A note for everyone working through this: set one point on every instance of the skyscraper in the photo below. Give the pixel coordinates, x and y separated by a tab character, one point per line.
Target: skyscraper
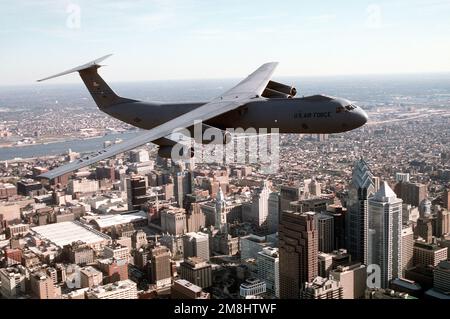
298	249
139	156
385	240
424	229
407	249
402	177
260	206
197	271
411	193
159	267
137	192
315	188
274	212
361	188
268	269
442	276
182	186
323	288
325	228
442	222
352	279
196	245
446	199
289	194
221	214
339	220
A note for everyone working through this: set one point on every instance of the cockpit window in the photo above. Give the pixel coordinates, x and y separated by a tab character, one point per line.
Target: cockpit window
340	109
347	108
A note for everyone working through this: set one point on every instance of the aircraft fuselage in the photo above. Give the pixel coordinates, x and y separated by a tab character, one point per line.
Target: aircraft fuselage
308	115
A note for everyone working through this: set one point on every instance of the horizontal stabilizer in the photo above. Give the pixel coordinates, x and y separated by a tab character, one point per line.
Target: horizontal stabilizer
79	68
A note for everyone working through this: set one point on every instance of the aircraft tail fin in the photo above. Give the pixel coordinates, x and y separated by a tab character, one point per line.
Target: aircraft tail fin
102	94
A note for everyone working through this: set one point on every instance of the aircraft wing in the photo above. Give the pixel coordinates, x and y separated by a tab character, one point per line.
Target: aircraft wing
249	88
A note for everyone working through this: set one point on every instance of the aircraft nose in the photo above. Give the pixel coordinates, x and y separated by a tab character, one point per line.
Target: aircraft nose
362	116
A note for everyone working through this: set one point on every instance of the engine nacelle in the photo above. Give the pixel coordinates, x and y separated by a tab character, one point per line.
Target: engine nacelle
166	151
279	90
211	135
272	94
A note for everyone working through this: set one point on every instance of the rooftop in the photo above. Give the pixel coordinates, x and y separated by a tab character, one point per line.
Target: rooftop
120	219
66	233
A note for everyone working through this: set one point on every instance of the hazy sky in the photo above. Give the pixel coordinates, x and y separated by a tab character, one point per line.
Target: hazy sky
182	39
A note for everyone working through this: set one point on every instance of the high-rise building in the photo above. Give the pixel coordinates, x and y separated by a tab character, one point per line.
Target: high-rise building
197	271
82	186
442	222
125	289
322	288
340	258
137	192
411	193
173	220
273	219
139	156
352	279
113	269
260	207
195	219
159	267
402	177
43	287
289	194
298	248
196	245
425	208
30	187
325	228
268	270
446	199
182	186
221	214
315	188
139	239
339	216
116	251
7	190
105	172
79	253
407	249
424	229
385	239
183	289
357	225
428	254
325	264
441	276
90	277
13	256
13	281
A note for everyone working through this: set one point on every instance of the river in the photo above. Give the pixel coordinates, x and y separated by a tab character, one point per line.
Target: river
77	145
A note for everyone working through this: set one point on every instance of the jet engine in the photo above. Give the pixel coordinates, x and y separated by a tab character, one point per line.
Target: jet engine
275	90
211	135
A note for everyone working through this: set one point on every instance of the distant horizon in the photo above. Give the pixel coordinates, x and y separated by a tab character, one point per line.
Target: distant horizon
57	82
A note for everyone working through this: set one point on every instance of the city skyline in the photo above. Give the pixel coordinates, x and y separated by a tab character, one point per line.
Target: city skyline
349	197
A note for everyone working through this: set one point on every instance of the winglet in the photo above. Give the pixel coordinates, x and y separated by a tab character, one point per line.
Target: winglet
88	65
